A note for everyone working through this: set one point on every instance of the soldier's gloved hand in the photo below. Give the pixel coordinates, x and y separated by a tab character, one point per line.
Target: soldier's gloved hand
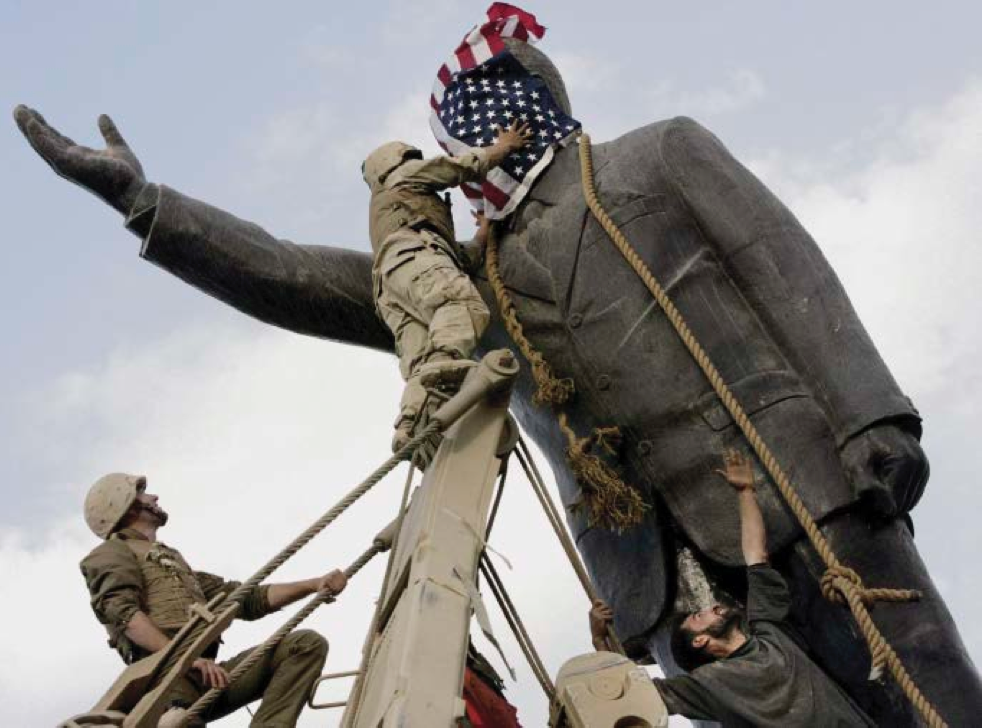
112	174
212	674
334	580
887	469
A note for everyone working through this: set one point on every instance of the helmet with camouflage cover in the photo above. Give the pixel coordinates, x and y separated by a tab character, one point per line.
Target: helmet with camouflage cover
109	499
383	160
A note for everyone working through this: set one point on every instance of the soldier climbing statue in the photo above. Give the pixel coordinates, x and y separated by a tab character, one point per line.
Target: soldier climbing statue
758	294
422	294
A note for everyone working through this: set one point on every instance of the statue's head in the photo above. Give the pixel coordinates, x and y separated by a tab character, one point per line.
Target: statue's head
538	64
494	79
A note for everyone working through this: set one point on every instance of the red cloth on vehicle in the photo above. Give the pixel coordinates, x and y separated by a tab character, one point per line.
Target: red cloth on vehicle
484	707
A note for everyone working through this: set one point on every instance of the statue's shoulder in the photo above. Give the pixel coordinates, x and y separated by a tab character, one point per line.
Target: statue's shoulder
680	130
649	158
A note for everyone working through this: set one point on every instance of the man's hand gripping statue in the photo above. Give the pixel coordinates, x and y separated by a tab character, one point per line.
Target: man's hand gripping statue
421	289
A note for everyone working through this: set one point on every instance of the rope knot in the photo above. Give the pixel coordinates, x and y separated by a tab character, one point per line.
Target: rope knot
608	439
840	582
550	389
834	588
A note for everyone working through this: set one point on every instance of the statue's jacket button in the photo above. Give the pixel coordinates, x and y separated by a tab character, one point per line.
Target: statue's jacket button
575	320
603	382
644	448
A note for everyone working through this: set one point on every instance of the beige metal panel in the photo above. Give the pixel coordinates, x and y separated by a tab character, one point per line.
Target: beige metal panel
415	675
606	690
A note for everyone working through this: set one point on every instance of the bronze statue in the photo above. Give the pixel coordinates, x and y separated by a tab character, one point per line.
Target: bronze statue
759	295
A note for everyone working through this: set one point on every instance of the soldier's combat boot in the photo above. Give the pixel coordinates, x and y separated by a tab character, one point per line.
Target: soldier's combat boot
414	396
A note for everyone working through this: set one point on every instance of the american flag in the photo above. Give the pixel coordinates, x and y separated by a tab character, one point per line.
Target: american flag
481	87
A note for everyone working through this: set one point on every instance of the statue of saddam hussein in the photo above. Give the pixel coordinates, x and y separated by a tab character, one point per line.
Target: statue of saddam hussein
756	291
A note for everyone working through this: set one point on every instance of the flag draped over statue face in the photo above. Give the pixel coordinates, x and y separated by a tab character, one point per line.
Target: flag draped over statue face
483	87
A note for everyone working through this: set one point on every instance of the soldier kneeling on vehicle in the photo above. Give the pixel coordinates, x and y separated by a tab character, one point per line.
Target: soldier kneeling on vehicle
141	592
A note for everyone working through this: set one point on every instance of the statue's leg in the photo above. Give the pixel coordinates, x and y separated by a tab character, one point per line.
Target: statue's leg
922	633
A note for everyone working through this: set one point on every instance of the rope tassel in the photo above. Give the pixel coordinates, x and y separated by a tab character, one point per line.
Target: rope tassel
609	501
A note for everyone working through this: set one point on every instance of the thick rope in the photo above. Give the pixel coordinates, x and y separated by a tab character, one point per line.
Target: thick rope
550	390
201	706
609	501
839	583
518	628
556	523
238	595
498	499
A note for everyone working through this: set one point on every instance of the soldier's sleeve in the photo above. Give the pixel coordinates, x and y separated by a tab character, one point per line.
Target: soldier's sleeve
255	604
115	584
213	585
786	279
315	290
439	173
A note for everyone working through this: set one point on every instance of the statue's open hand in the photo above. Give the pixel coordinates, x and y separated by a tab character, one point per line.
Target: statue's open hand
113	174
887	468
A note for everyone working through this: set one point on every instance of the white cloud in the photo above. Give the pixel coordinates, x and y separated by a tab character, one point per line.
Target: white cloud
427	20
306	161
249	433
903	234
742	88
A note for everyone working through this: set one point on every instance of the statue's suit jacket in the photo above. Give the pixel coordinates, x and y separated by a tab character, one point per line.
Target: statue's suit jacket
752	284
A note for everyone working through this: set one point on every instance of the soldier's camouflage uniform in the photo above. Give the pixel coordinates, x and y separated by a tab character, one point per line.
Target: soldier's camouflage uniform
128	573
421	291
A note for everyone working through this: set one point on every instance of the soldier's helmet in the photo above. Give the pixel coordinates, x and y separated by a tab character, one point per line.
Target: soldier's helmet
383	160
109	499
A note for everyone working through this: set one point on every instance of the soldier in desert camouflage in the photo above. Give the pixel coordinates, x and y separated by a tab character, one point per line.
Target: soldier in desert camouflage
422	292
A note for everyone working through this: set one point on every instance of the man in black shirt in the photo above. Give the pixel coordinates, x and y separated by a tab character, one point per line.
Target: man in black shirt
745	670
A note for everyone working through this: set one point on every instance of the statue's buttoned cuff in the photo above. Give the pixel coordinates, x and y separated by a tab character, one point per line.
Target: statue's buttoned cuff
140	221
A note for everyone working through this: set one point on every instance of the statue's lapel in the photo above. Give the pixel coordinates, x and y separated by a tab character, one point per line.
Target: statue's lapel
542	234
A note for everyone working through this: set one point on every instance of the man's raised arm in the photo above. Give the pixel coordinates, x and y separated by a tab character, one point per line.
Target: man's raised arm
319	291
739	473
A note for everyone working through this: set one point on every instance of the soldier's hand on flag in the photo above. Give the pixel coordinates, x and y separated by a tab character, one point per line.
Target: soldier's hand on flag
515	137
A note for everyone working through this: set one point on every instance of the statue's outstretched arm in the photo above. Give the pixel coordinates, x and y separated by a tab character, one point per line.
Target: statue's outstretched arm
320	291
786	279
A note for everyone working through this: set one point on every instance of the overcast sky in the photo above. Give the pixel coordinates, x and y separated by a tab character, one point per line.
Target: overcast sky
863	117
